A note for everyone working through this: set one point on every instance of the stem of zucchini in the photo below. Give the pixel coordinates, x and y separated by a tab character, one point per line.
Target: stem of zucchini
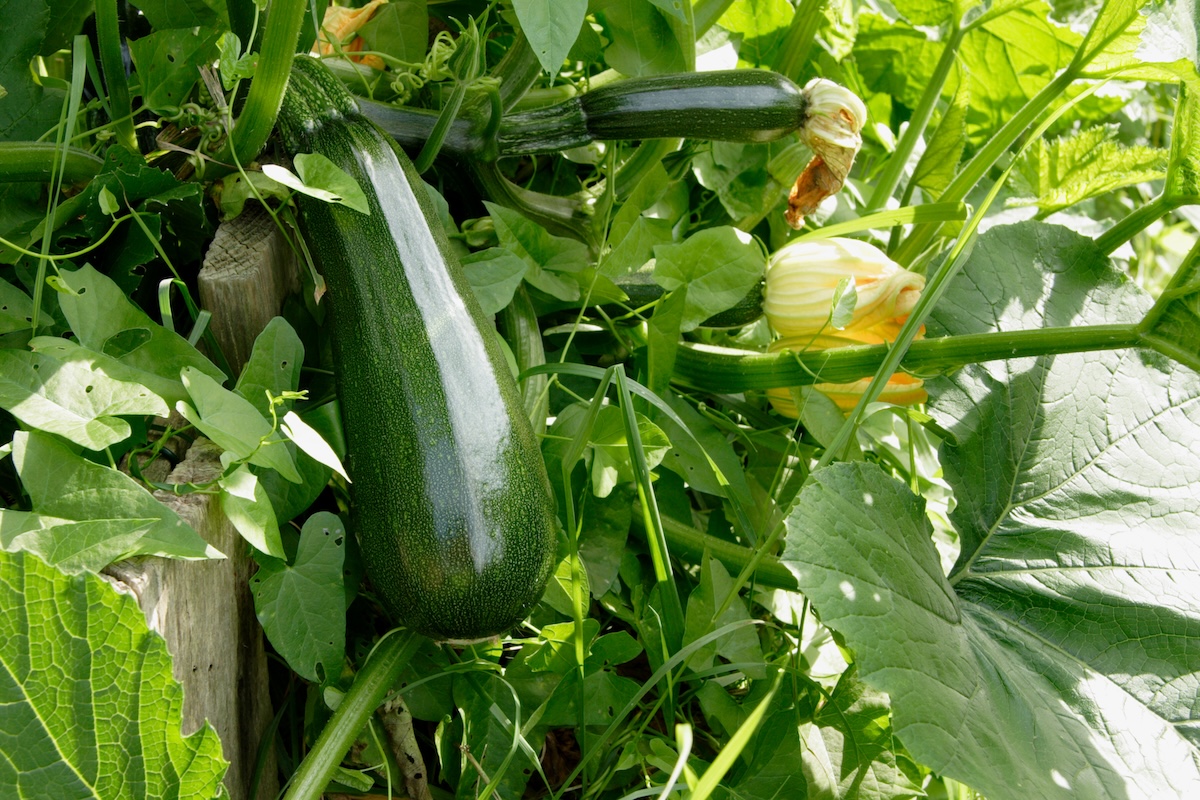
727	370
889	179
34	162
1139	219
519	323
108	38
983	161
690	544
370	687
257	120
798	41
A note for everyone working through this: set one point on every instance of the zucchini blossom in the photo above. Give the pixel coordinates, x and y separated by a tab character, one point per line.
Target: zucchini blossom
802	279
832	129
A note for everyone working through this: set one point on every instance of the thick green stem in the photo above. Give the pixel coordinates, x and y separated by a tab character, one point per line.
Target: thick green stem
889	179
517	71
34	162
257	120
563	216
370	687
727	370
705	14
798	41
689	544
1140	219
108	38
984	160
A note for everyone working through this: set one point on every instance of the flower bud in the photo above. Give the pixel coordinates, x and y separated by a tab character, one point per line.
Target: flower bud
803	276
832	129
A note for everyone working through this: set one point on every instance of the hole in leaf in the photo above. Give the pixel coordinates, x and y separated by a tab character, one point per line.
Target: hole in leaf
338	541
88	389
83	290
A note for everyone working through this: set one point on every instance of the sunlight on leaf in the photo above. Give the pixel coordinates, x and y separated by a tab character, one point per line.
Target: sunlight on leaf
80	721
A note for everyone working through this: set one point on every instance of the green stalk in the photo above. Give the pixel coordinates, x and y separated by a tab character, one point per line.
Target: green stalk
727	370
517	71
108	39
705	14
257	120
370	687
1140	219
563	216
889	179
35	161
798	41
984	160
690	545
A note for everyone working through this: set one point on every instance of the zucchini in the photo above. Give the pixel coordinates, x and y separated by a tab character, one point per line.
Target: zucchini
743	105
450	499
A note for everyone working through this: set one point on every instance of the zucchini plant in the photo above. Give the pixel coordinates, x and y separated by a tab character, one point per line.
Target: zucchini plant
718	399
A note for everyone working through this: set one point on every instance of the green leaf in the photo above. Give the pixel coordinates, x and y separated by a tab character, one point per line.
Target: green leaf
740	646
641	41
636	247
1065	634
662	339
494	275
606	524
772	771
718	265
400	29
1173	326
302	606
762	25
163	14
311	443
27	110
1136	40
928	12
246	504
91	708
274	366
234	424
547	257
106	322
845	300
551	27
72	398
1183	170
1085	164
939	162
71	546
168	63
16	309
849	748
322	179
61	484
607	453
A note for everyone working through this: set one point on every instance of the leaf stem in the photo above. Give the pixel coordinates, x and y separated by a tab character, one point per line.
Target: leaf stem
35	161
1140	219
889	179
984	160
257	120
728	370
108	39
370	687
798	41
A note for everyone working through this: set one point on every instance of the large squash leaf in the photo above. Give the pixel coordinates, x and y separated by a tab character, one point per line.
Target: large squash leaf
90	707
1058	658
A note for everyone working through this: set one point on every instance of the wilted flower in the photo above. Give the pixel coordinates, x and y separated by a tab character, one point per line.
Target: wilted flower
832	128
339	24
802	279
803	276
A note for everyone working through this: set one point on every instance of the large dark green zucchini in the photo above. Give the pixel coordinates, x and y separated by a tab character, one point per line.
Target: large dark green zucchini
451	502
744	105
